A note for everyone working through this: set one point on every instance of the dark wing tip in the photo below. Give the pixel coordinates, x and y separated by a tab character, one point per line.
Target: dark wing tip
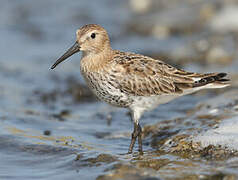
217	78
221	75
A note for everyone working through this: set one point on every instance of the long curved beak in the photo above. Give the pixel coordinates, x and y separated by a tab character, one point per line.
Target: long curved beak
75	48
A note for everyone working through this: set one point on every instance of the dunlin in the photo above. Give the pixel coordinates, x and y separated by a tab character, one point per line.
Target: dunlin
130	80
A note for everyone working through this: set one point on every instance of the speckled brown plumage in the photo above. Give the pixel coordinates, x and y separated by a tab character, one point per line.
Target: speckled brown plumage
130	80
144	76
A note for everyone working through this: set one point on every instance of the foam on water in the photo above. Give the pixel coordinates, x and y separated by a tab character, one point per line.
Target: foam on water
225	135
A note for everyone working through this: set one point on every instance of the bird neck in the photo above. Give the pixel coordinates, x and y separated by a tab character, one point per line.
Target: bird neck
91	62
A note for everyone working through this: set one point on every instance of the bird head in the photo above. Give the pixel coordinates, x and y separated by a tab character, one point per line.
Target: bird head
90	39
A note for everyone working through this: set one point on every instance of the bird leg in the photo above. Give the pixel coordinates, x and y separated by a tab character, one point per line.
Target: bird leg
136	133
140	139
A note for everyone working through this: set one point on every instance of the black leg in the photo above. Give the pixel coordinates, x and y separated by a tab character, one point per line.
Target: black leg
136	133
140	140
133	139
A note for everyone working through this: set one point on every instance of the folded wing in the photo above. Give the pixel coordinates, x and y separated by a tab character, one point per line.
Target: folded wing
144	76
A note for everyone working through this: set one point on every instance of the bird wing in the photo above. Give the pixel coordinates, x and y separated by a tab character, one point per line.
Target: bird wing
143	76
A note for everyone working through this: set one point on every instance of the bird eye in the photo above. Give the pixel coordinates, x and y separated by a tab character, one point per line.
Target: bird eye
93	35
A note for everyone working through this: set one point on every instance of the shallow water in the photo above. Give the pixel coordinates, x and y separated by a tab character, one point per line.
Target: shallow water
52	127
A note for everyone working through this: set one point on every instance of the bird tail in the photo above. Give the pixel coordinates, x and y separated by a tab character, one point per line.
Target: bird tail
213	80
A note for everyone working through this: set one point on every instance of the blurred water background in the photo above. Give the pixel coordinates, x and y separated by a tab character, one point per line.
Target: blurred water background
52	127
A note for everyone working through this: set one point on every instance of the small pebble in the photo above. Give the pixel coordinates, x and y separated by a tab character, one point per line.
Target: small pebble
47	132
